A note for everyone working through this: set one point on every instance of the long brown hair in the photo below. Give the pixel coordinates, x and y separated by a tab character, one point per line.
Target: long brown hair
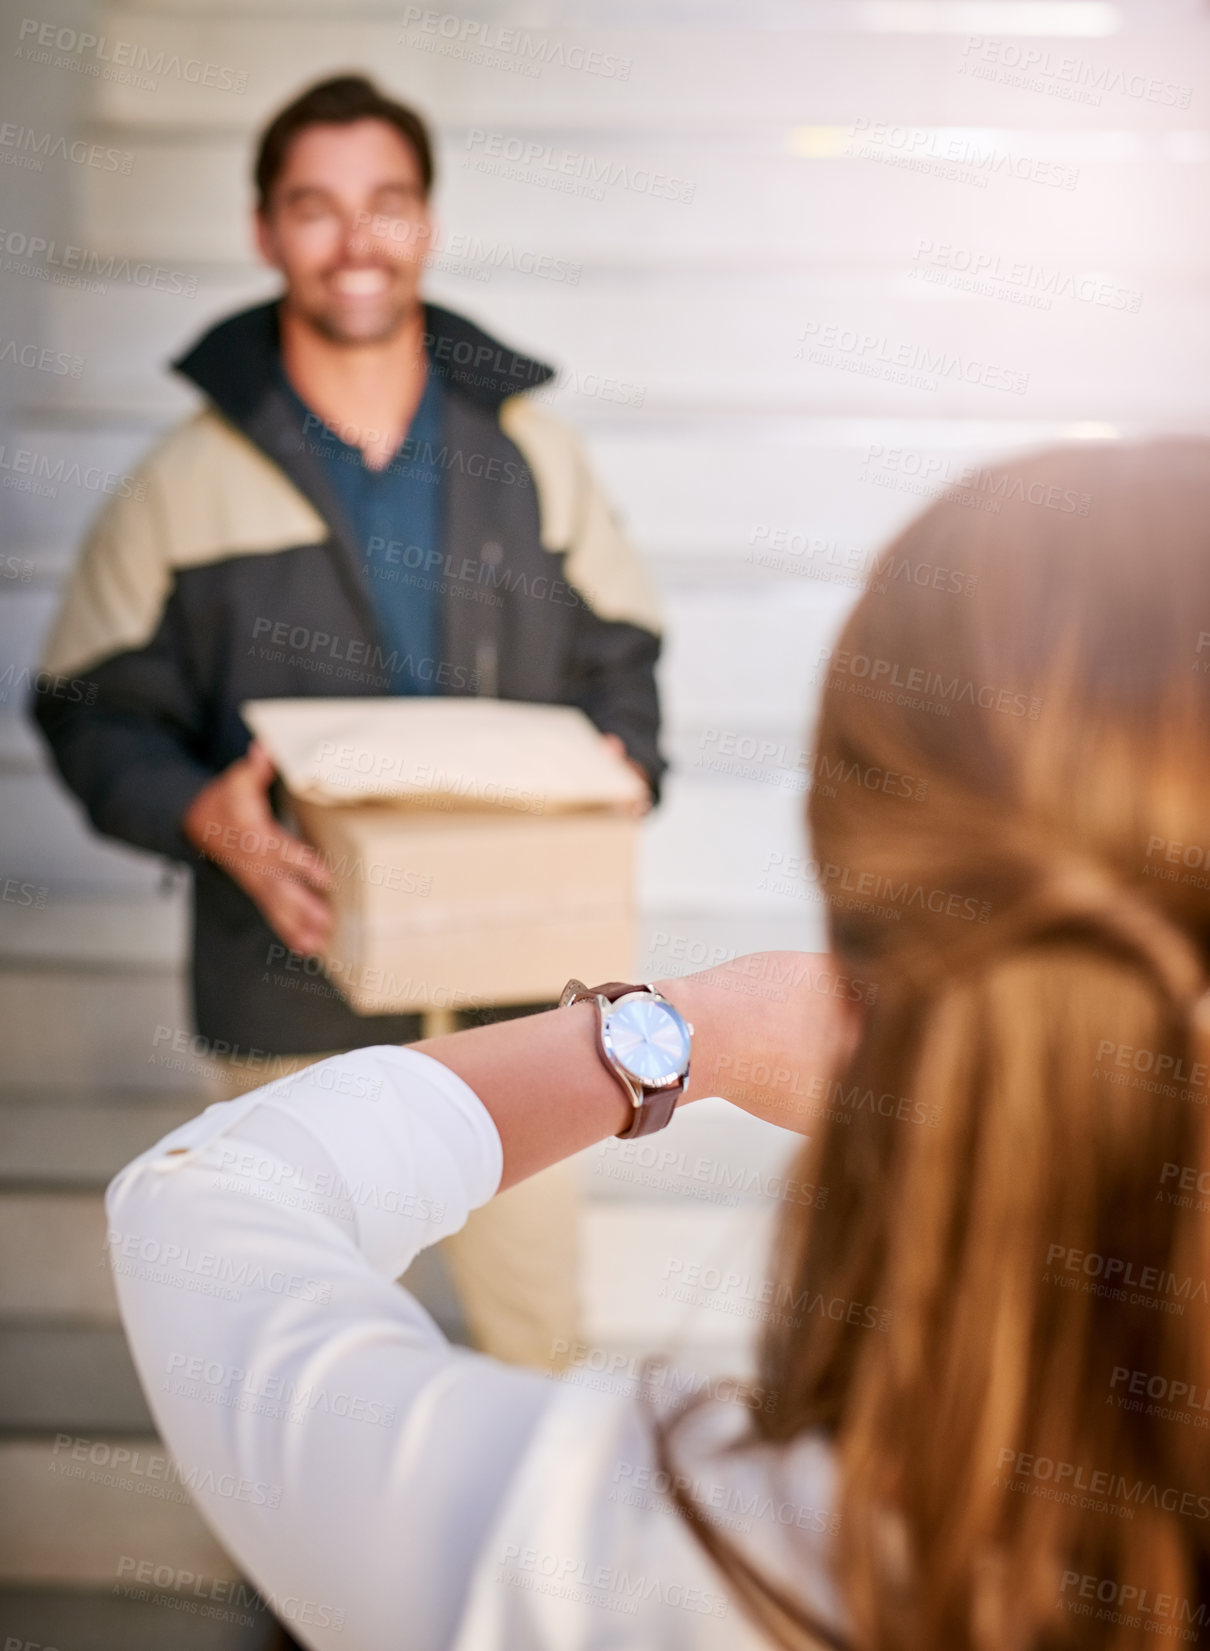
1020	1461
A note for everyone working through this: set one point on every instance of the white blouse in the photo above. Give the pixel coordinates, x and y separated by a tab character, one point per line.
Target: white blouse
382	1488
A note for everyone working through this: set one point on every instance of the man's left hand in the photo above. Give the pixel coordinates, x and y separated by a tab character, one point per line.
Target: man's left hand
641	805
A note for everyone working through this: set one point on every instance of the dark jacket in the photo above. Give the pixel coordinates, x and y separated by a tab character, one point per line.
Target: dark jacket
226	573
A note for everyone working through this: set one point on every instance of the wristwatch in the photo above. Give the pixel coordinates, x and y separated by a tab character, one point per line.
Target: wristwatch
645	1043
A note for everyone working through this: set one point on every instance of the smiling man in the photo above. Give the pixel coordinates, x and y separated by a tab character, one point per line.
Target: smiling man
368	502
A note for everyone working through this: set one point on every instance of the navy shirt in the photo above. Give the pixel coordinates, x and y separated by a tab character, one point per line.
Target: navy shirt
396	519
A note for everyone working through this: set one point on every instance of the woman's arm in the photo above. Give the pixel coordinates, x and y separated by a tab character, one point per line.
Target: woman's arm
349	1459
345	1455
769	1030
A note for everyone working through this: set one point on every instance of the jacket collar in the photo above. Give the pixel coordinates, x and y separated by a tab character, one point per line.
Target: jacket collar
233	364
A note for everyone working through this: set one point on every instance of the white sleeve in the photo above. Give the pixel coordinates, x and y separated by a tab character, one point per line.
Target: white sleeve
345	1454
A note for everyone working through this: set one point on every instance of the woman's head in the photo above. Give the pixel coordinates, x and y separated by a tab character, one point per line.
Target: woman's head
1036	672
1011	816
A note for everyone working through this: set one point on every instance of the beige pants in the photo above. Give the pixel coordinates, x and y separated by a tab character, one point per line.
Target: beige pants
516	1262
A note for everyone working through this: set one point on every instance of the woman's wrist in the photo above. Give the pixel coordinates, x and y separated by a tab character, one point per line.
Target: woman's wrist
684	997
542	1080
771	1031
767	1032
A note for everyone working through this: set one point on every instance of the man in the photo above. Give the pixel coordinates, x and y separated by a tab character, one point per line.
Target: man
367	503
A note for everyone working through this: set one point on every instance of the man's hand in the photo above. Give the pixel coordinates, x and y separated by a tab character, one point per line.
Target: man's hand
770	1031
231	823
641	805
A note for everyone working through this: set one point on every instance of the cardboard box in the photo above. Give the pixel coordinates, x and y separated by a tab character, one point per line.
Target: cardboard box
491	854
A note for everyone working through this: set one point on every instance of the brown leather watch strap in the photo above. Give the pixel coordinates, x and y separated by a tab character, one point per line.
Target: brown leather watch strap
657	1106
613	990
655	1113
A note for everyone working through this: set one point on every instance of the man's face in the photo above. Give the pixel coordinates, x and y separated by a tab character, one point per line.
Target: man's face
348	226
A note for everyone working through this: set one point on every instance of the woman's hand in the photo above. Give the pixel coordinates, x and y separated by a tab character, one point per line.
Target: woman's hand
770	1031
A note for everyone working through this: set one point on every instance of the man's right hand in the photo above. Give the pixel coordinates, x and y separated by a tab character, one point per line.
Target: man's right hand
231	823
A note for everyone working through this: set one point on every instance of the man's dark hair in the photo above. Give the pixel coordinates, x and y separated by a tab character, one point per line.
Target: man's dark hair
337	102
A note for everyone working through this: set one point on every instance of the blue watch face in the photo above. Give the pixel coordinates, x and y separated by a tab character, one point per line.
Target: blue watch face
649	1039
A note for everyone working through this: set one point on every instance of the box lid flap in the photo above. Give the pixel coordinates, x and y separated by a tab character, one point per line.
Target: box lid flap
479	753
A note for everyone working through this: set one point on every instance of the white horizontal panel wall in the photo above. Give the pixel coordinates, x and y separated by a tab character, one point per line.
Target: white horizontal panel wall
770	345
478	63
1109	196
805	500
